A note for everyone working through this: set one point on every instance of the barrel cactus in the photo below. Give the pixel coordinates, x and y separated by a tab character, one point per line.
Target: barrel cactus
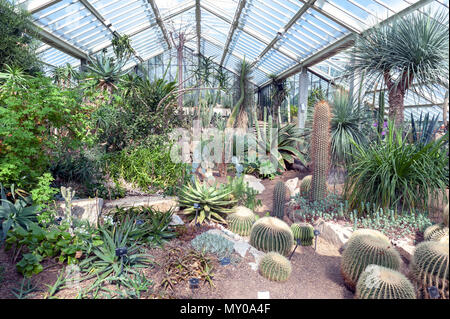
320	150
271	234
429	268
366	231
305	185
279	195
378	282
365	250
304	232
274	266
241	221
435	232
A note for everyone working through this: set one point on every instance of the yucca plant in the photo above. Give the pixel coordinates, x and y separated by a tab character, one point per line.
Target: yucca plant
412	49
396	173
424	131
215	203
240	111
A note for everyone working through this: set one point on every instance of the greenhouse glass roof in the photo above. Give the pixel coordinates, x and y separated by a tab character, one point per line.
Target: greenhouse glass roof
276	36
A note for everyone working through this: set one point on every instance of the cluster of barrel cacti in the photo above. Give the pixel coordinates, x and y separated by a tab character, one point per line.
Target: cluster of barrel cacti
274	266
241	221
303	232
272	234
363	250
279	197
320	150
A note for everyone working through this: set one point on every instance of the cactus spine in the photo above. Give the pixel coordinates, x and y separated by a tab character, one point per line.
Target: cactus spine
272	234
435	232
241	221
279	195
377	282
429	267
320	150
365	250
304	232
305	185
274	266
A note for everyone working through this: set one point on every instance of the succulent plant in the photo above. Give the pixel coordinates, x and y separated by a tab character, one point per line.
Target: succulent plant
320	150
304	232
367	231
445	216
271	234
241	221
279	196
365	250
213	243
429	268
378	282
214	202
435	232
305	185
274	266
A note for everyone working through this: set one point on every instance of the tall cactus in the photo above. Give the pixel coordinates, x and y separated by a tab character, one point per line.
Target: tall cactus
279	195
68	194
320	150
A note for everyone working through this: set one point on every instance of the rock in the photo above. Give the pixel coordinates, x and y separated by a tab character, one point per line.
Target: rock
254	183
176	220
157	202
332	232
291	184
84	209
241	248
405	248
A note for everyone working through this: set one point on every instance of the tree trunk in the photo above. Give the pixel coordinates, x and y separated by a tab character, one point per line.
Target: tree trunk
180	75
396	106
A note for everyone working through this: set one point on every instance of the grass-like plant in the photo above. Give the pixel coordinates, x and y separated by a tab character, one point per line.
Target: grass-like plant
395	173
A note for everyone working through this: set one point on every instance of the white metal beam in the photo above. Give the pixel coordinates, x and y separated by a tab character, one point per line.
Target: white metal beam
198	27
39	6
160	22
233	27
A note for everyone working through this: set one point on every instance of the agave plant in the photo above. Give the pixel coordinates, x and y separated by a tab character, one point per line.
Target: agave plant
424	131
213	202
105	71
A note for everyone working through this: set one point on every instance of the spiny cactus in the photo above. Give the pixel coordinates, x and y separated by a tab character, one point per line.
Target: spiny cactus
429	267
445	216
378	282
435	232
279	196
305	185
320	150
241	221
274	266
366	231
364	250
68	194
271	234
304	232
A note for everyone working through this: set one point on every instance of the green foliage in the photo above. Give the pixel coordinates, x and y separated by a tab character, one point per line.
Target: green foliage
19	42
365	250
377	282
37	117
272	234
274	266
26	288
279	199
424	131
43	193
242	192
213	244
429	267
304	232
147	168
394	173
320	150
214	202
241	221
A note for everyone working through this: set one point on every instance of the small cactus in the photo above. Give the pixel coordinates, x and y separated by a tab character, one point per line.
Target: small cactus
241	221
272	234
435	232
279	195
429	268
364	250
305	185
304	232
320	151
378	282
274	266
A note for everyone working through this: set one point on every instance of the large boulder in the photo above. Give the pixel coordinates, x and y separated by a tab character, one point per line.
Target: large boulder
254	183
157	202
84	209
292	185
332	232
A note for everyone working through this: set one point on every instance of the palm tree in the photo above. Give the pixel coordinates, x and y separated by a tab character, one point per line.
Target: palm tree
409	53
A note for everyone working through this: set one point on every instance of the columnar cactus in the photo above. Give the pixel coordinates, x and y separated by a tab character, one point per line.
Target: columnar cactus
305	185
429	267
304	232
241	221
320	150
435	232
279	195
378	282
274	266
365	250
445	216
68	194
272	234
